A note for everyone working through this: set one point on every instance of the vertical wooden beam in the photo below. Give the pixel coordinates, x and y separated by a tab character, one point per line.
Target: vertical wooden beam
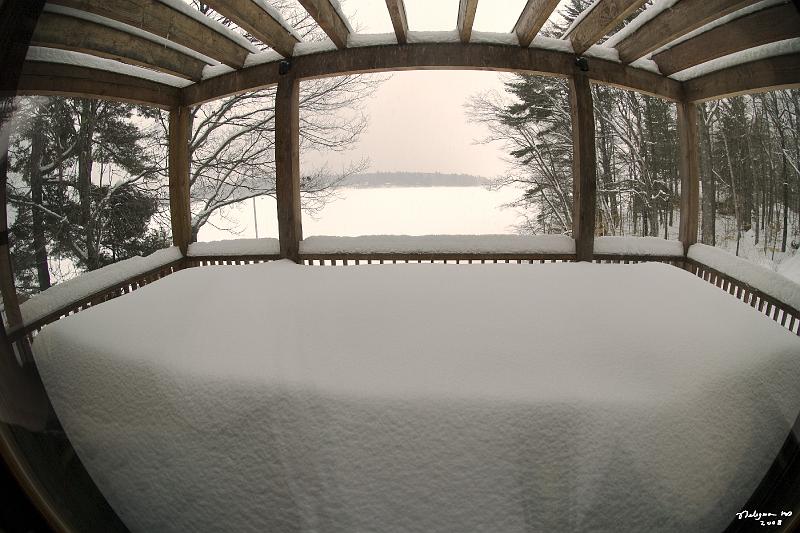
287	166
180	128
689	169
584	165
466	17
397	12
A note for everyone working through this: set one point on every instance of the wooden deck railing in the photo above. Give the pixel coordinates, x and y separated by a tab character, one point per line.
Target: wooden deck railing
780	312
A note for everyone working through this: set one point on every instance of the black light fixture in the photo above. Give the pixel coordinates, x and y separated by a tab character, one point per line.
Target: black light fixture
582	63
284	66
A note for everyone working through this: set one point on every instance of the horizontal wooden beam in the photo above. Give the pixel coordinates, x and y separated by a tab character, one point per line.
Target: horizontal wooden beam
162	20
329	19
466	18
70	33
397	12
670	24
433	56
762	27
533	16
40	77
772	73
604	17
257	22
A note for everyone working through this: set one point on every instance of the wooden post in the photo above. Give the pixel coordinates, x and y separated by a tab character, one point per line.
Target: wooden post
584	166
689	168
287	166
180	128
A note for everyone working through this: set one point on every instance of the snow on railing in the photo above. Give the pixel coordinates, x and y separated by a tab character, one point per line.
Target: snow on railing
66	293
235	247
767	281
637	246
439	244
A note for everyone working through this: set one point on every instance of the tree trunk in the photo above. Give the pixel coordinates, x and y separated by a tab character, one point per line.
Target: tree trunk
37	197
85	163
709	206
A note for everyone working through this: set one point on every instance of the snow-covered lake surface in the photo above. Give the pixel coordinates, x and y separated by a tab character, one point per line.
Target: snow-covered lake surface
439	398
391	210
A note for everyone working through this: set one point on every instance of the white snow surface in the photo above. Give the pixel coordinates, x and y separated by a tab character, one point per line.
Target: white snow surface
186	9
487	37
88	283
338	7
637	246
602	52
357	40
449	36
763	279
779	48
133	30
68	57
532	244
549	43
260	58
313	47
268	246
280	397
212	71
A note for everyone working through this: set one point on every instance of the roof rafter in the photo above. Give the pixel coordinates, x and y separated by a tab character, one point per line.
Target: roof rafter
762	27
55	30
771	73
258	22
397	12
670	24
466	18
604	16
329	19
162	20
41	77
533	16
432	56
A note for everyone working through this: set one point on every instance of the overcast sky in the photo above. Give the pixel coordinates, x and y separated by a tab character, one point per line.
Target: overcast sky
416	119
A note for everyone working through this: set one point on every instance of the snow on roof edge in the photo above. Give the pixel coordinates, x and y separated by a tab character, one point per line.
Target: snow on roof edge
189	11
133	30
779	48
68	57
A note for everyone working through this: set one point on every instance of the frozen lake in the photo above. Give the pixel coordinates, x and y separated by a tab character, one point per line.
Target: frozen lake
395	210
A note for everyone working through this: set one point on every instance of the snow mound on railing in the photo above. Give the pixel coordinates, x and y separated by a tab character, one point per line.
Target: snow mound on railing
467	244
767	281
229	247
70	291
627	245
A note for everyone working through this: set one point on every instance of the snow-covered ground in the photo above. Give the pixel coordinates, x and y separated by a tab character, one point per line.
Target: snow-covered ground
434	398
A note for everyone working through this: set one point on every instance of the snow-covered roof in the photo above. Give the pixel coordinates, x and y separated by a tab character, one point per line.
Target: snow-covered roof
604	52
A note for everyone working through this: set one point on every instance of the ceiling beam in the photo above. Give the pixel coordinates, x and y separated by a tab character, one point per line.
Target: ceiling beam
329	19
40	77
466	18
162	20
670	24
432	56
769	74
604	16
397	12
533	16
261	24
762	27
55	30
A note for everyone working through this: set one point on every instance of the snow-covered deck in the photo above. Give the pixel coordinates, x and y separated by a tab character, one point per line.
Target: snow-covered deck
436	398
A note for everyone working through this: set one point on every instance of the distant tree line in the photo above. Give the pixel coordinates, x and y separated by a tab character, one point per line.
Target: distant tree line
750	158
